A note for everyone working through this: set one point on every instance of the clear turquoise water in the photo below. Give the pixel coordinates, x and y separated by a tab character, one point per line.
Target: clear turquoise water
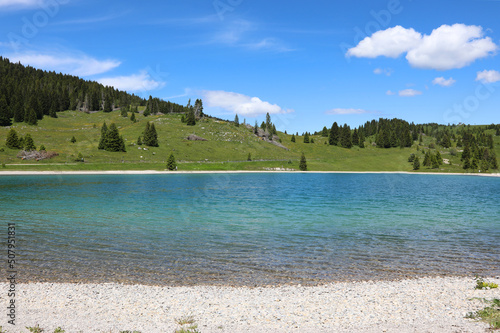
252	229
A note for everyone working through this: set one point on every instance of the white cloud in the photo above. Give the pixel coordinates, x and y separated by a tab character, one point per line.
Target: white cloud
340	111
391	43
134	82
409	93
444	82
447	47
74	65
240	104
390	93
488	76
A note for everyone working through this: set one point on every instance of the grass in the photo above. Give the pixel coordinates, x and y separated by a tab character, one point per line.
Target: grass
481	284
188	325
227	148
490	314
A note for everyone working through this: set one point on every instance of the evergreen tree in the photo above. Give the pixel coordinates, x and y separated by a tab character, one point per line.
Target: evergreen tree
12	140
493	163
42	148
467	164
139	141
18	112
150	136
29	144
249	158
132	117
171	164
324	132
355	138
333	137
53	108
191	119
303	163
293	138
236	121
30	117
73	139
124	113
427	159
114	142
361	140
104	134
4	113
416	163
345	137
312	140
439	158
434	162
306	138
474	164
466	154
256	128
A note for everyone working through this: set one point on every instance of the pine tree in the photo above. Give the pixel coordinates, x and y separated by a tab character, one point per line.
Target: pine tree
493	161
256	128
439	158
312	140
293	138
42	148
113	140
236	121
139	141
4	113
191	119
333	137
303	163
171	164
108	106
18	112
416	163
150	137
104	134
73	139
29	144
324	132
306	138
355	138
124	113
427	159
30	117
434	162
12	140
132	117
249	158
361	140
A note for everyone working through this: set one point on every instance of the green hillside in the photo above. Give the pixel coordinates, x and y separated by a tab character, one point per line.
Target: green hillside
227	147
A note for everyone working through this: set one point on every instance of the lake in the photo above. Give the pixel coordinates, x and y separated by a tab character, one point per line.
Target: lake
251	229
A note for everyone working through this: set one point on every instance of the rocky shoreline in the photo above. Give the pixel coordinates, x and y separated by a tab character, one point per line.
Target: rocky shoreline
432	304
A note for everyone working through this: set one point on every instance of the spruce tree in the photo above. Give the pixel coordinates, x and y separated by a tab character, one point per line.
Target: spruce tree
113	140
73	139
12	140
139	141
236	120
191	119
42	148
416	163
150	136
18	112
29	144
303	163
355	138
249	158
4	113
361	140
171	164
306	138
256	128
104	134
293	138
132	117
333	137
108	106
493	163
434	162
30	117
124	113
427	159
439	158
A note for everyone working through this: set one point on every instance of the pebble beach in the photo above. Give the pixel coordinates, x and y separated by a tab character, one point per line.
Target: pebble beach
433	304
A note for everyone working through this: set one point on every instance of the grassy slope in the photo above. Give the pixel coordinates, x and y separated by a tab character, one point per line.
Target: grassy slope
227	147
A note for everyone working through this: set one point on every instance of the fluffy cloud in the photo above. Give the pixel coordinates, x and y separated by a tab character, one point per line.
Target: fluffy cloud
385	71
79	66
240	104
390	43
390	93
488	76
443	82
340	111
447	47
409	93
134	82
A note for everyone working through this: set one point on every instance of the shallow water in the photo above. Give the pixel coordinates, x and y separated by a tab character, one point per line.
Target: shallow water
251	229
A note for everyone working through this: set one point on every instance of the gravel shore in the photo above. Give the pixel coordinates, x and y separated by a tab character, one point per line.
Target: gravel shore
420	305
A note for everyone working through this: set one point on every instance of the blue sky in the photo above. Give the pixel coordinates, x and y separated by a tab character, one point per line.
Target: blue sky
306	63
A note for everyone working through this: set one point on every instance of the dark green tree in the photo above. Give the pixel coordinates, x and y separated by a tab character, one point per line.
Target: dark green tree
18	110
114	142
191	119
355	137
29	144
12	140
303	163
333	137
104	134
293	138
249	158
427	159
361	140
236	121
73	139
150	137
139	141
42	148
30	117
416	163
256	128
4	113
306	138
434	162
124	113
132	117
439	158
171	164
324	132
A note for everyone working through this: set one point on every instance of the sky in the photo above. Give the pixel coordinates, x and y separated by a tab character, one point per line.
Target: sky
307	64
